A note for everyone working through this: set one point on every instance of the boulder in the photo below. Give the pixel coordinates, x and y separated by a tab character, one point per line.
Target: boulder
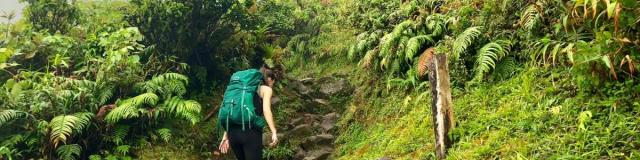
329	122
300	153
300	88
332	86
310	118
325	139
317	141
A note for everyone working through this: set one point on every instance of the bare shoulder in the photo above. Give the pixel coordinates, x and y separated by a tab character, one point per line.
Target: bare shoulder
266	89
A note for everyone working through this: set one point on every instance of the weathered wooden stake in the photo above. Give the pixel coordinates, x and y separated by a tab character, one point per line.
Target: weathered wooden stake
441	104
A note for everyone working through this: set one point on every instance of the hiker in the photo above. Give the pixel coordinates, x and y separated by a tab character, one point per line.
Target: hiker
246	139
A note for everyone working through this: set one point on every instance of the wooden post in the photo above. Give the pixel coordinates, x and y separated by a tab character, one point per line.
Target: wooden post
441	104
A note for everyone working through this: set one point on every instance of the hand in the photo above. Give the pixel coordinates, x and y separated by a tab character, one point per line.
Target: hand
224	146
274	140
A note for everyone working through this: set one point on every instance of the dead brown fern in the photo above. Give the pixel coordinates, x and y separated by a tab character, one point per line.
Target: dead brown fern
421	66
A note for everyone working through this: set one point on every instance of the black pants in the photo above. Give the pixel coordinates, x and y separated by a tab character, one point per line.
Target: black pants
247	144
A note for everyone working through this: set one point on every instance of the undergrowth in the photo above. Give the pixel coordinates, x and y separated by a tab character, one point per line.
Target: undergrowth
535	115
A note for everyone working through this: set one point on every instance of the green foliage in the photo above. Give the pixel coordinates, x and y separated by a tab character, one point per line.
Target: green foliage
52	15
165	134
415	44
69	151
464	40
6	116
65	126
489	55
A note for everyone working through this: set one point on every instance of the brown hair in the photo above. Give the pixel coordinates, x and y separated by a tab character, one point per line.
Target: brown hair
270	72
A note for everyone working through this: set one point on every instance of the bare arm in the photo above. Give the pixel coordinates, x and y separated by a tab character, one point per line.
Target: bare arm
267	92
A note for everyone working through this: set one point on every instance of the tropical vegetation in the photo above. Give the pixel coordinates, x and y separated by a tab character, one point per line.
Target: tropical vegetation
140	79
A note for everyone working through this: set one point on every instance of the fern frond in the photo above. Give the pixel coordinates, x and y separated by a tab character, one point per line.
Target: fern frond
125	110
119	134
187	109
421	66
12	140
9	115
352	52
488	56
507	67
145	98
64	126
166	84
390	41
415	44
123	149
531	17
368	59
464	40
69	151
165	134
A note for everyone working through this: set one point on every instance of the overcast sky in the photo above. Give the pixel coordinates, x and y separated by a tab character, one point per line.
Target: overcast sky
11	5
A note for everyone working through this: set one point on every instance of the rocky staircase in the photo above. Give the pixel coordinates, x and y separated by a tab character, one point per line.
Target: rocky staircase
313	129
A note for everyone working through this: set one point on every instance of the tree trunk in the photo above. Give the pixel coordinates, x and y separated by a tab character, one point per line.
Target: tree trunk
441	104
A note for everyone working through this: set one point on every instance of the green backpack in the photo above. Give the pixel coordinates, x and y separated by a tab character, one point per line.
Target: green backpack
237	105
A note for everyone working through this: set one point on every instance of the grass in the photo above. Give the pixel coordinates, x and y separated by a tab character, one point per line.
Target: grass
534	115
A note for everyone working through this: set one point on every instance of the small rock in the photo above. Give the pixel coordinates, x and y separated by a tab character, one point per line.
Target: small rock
297	121
275	100
321	101
307	81
384	158
317	103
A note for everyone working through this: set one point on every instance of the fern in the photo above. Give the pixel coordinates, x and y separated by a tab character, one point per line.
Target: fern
391	40
530	18
167	84
464	40
421	65
415	44
123	149
95	157
187	109
119	133
64	126
488	56
165	134
125	110
506	68
145	98
9	115
368	59
69	151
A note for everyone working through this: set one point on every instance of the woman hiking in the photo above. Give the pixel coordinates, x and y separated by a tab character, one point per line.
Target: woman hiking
246	142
